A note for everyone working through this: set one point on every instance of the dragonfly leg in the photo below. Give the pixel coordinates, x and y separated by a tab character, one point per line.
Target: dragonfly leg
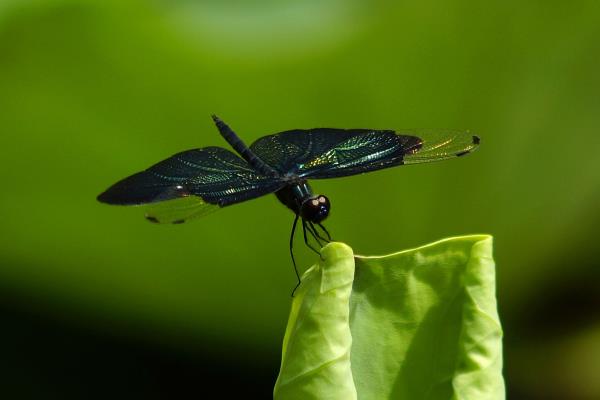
306	238
292	254
326	232
317	234
311	229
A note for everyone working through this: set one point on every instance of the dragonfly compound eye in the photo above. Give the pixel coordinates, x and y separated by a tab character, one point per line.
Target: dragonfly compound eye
315	209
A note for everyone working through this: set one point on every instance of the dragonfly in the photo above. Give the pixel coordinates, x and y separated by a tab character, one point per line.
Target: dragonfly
196	182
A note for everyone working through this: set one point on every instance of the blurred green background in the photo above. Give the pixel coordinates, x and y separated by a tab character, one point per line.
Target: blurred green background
95	300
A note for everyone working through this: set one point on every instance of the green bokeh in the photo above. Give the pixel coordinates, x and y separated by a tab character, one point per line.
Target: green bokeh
91	91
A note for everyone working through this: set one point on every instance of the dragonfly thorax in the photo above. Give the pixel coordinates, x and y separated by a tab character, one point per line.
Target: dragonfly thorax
300	199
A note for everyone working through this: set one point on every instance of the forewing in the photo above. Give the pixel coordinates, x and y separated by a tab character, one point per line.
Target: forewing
213	174
287	151
327	153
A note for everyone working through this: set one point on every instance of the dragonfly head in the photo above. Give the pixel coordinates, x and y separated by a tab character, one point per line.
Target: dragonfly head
315	209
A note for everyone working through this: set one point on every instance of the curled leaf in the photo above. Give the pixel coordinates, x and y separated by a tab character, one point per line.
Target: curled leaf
418	324
316	348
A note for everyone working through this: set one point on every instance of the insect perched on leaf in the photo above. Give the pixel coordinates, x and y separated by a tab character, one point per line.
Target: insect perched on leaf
195	182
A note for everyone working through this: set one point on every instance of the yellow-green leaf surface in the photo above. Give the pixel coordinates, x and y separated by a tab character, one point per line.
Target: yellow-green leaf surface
418	324
316	348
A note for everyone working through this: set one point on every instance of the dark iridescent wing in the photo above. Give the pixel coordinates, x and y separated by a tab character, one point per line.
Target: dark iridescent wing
208	176
327	153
